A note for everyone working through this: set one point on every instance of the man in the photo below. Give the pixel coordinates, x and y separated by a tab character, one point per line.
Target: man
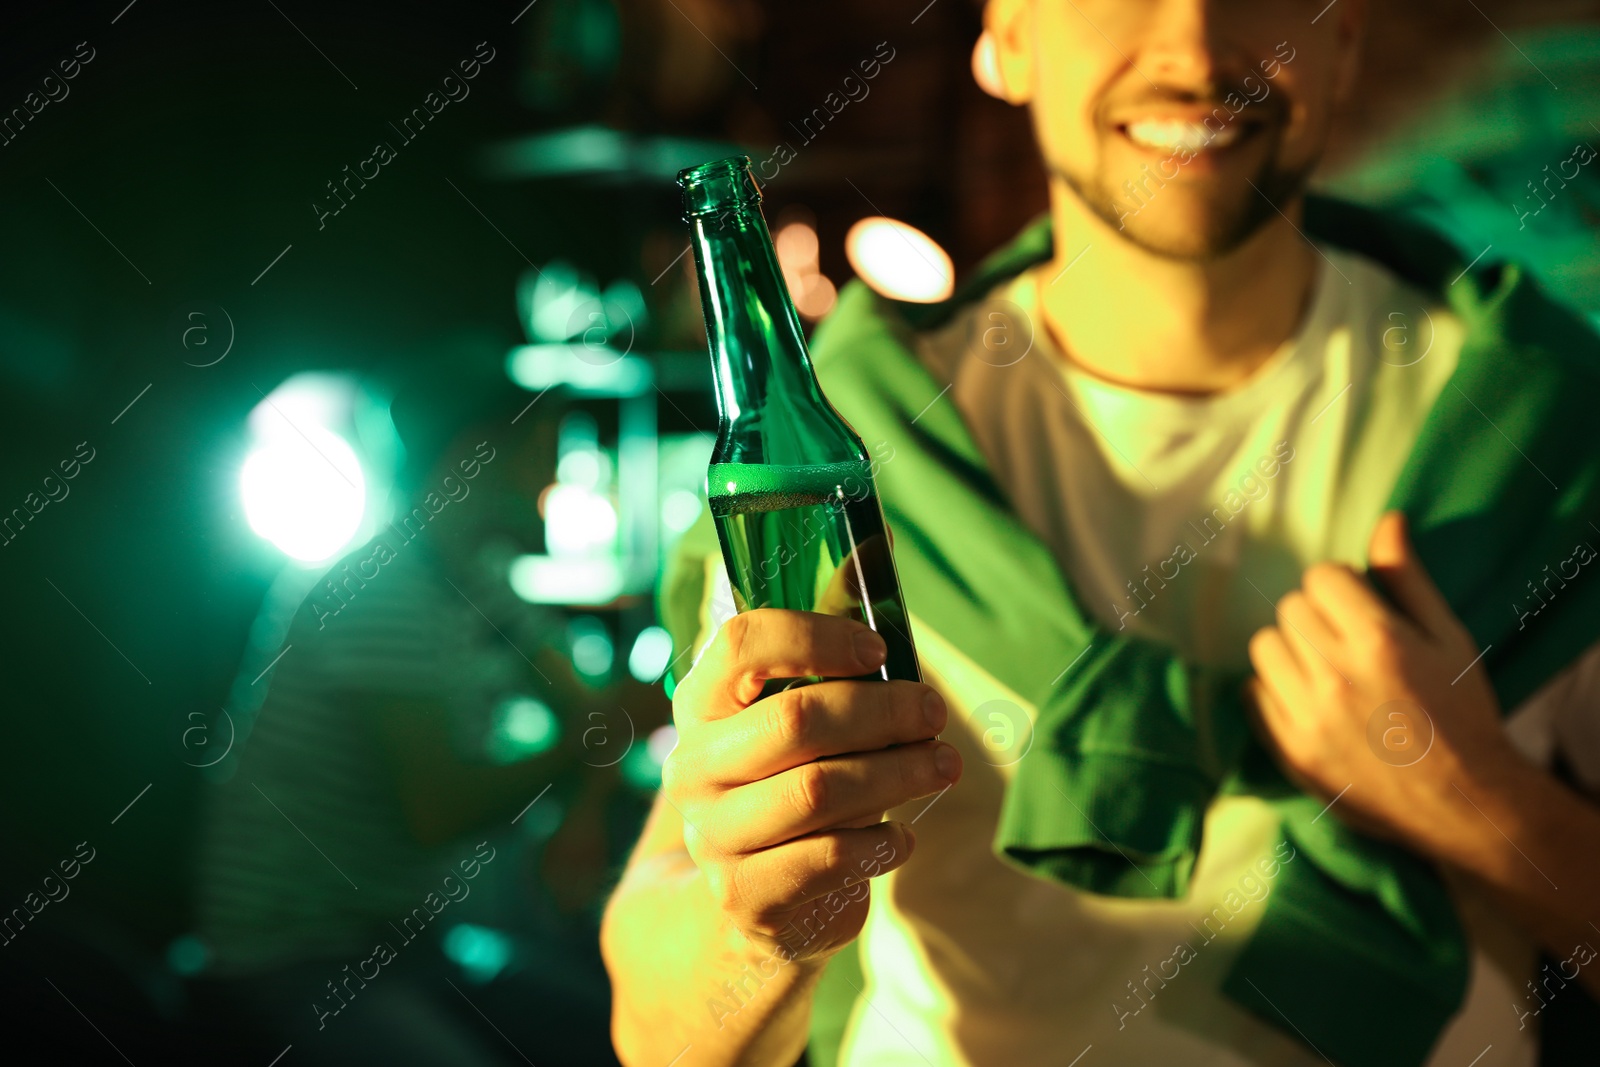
1176	418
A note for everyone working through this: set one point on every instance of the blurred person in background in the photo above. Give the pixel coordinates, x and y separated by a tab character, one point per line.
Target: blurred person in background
1220	331
420	708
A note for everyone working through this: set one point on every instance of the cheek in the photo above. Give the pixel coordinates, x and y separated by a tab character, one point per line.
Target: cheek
1074	67
1308	90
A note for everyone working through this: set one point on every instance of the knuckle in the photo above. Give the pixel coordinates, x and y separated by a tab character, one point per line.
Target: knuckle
680	772
683	703
737	895
736	633
832	856
671	783
767	922
789	716
808	792
705	858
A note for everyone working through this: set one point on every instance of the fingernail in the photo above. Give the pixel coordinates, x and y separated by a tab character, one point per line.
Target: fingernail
945	761
933	709
870	649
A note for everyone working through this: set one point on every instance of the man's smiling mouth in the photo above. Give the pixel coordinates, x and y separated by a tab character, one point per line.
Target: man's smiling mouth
1176	135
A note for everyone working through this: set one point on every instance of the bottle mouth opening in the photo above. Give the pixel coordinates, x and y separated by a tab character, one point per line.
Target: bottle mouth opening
715	187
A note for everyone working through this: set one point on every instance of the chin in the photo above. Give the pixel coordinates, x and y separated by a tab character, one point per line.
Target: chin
1215	202
1179	225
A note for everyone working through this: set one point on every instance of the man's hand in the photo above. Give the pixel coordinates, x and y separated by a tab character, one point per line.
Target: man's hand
1387	711
783	797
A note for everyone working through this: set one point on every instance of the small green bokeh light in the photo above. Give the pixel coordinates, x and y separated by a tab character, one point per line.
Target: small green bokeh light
522	727
592	649
188	956
639	769
480	952
652	650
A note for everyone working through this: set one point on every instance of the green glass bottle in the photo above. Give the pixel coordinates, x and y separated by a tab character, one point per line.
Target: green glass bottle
790	484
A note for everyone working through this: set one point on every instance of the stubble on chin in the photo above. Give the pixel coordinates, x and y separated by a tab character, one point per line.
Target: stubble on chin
1211	233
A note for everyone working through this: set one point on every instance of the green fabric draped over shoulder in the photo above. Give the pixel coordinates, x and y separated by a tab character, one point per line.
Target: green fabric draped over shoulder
1360	944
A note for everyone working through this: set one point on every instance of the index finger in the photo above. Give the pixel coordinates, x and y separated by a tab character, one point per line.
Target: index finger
766	643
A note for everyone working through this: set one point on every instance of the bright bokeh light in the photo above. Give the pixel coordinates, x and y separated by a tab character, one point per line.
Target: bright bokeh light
797	246
578	520
662	740
591	370
480	951
581	467
311	398
592	650
566	580
522	727
651	651
555	298
592	654
798	251
816	297
304	492
899	260
679	510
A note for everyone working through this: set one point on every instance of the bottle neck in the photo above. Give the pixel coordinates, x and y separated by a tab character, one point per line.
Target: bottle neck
771	408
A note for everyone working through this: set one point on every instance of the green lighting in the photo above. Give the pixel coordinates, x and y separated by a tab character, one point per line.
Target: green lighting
523	727
651	651
640	769
592	650
479	951
188	956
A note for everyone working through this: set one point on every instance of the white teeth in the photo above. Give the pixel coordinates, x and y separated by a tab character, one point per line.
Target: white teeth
1171	136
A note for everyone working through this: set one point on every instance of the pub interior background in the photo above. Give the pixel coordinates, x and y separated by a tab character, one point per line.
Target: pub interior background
188	268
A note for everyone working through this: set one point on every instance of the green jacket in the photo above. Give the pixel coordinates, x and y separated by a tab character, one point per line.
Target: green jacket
1360	946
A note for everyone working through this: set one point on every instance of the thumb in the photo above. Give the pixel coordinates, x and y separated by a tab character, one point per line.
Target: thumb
1391	556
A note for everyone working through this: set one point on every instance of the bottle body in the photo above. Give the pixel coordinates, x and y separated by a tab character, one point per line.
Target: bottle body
812	539
790	485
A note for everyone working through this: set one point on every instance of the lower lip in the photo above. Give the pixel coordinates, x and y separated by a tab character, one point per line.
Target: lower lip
1203	160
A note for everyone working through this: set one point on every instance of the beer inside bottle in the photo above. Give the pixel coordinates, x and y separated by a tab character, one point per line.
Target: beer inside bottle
790	485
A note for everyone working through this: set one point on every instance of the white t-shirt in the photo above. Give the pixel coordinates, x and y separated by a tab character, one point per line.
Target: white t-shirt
969	961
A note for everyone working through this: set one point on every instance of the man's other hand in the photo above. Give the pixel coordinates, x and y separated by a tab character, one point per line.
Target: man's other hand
1390	712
